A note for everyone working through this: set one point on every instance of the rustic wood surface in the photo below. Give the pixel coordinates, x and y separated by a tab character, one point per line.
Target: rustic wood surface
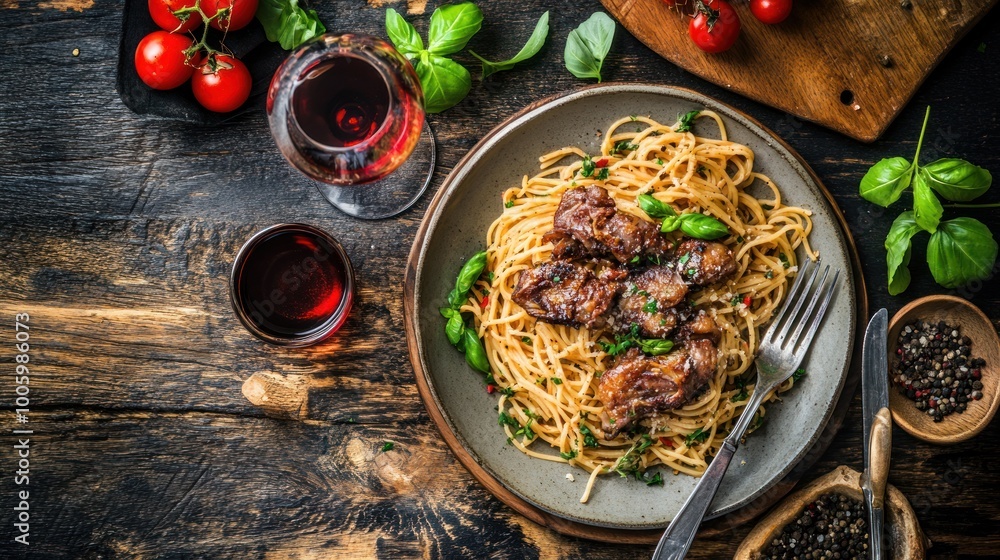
116	236
850	66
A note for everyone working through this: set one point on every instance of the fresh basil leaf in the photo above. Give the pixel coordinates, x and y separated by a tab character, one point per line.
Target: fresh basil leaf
454	329
897	256
654	208
886	181
927	210
403	35
701	226
475	354
961	251
286	23
447	312
956	179
467	276
529	49
452	26
655	347
588	45
444	81
671	223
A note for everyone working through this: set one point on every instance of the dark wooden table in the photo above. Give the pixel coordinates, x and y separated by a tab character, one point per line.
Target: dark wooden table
116	236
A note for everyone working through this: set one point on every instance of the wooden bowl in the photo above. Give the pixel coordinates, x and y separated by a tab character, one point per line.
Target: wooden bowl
901	525
974	324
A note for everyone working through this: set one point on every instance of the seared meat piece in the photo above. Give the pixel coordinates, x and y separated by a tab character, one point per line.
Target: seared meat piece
650	301
703	262
640	386
700	326
589	216
565	293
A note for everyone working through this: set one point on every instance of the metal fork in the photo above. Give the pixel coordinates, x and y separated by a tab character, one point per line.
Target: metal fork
779	355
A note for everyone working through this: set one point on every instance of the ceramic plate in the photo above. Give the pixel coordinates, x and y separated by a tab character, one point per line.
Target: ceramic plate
455	227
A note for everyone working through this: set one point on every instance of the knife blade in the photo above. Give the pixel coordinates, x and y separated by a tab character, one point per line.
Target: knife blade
877	425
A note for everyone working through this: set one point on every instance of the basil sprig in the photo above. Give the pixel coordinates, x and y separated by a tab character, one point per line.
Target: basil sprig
286	23
459	335
693	224
588	45
529	49
444	81
961	250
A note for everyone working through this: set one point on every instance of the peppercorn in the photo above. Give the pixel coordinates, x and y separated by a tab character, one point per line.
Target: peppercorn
834	526
934	367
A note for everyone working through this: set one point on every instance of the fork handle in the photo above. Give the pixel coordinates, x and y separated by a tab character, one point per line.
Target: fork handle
677	539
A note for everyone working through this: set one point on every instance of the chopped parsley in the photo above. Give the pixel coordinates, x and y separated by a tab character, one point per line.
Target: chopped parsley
698	436
692	271
509	203
635	260
490	276
568	455
769	274
656	479
622	146
741	384
632	118
588	436
799	374
603	174
387	446
659	161
526	340
588	167
736	300
701	170
556	279
631	462
650	306
507	391
506	420
556	380
684	258
784	260
739	239
686	121
526	430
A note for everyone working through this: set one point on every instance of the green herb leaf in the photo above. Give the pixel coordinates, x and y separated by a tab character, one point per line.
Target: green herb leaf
702	226
475	354
529	49
588	45
655	347
623	146
655	480
387	446
798	374
507	391
685	122
444	81
588	436
571	454
603	174
897	256
509	204
454	329
403	35
961	251
650	306
447	312
467	275
654	208
556	380
886	181
956	179
506	420
286	23
671	223
698	436
451	27
927	210
631	461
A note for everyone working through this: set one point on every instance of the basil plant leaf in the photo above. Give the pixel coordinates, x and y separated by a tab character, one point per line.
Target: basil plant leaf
956	179
588	45
671	223
452	26
475	354
286	23
886	181
444	81
654	208
466	277
961	251
454	330
656	347
897	256
701	226
927	210
529	49
403	35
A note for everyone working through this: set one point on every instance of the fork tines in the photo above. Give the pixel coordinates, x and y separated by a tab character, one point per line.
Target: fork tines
805	288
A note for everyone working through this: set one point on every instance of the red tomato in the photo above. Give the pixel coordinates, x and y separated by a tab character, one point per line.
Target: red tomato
226	88
160	60
239	16
162	12
716	26
771	11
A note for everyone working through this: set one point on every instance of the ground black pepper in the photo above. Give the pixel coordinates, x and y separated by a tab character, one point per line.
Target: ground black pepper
934	368
833	527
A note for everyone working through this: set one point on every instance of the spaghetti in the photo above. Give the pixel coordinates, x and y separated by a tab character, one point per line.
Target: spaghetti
548	374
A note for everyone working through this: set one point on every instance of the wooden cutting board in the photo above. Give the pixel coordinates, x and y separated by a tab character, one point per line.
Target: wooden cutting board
850	65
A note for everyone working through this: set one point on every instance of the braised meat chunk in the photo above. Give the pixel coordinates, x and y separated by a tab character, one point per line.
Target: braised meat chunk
704	262
588	216
699	326
640	386
650	300
565	293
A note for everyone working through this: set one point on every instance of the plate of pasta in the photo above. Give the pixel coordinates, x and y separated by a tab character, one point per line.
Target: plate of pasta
585	295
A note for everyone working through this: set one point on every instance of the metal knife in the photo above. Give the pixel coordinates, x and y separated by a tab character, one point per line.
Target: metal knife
877	425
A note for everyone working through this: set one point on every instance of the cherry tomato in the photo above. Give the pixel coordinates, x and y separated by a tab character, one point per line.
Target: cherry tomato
239	16
771	11
716	26
162	12
160	60
226	88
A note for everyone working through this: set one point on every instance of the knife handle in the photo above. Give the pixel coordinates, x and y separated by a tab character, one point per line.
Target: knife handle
879	450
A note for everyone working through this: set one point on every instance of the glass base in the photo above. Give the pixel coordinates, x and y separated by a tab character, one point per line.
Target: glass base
395	192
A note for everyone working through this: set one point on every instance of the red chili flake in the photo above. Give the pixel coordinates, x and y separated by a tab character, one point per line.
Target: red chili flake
603	162
484	303
491	388
667	441
747	300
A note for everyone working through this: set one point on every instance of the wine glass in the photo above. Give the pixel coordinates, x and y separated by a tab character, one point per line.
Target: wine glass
347	110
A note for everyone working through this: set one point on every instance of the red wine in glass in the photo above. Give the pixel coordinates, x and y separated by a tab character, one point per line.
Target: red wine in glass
292	285
347	110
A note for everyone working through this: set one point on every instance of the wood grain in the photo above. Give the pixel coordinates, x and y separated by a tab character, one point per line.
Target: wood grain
117	232
850	66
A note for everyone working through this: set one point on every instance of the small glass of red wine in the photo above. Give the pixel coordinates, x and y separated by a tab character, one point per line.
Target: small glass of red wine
347	111
292	285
